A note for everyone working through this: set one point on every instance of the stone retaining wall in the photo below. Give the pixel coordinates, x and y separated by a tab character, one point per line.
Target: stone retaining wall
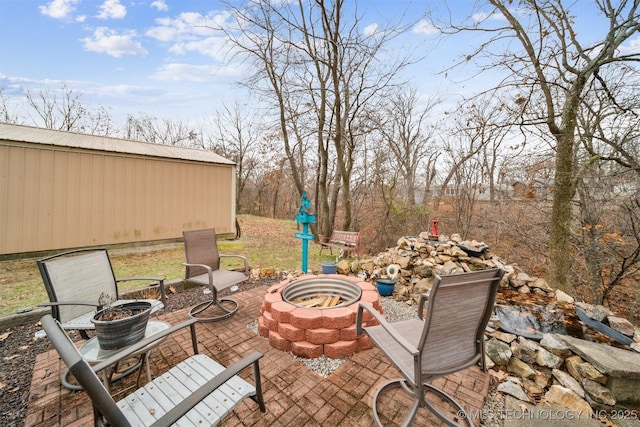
552	370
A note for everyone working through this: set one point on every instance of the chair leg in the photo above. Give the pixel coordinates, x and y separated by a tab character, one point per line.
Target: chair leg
387	386
460	412
110	375
214	303
116	375
418	401
66	384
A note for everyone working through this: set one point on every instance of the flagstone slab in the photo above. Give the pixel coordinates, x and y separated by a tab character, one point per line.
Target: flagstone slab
622	367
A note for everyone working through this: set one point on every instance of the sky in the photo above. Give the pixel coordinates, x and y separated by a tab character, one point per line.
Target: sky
158	58
154	57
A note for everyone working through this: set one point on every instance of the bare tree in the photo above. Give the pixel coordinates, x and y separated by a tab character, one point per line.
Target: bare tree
66	111
6	113
493	123
236	137
555	71
468	138
404	126
314	63
167	132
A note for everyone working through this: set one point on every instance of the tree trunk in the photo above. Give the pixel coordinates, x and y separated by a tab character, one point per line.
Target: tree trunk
560	256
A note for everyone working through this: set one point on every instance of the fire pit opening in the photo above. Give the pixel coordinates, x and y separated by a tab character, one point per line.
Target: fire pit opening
315	315
322	293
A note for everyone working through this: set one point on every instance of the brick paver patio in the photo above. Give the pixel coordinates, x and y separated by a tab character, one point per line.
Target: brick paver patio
294	394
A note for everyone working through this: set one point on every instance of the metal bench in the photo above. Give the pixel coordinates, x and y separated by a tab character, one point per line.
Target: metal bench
347	242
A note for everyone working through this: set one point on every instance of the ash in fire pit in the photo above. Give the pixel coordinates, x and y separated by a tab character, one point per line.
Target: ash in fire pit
316	315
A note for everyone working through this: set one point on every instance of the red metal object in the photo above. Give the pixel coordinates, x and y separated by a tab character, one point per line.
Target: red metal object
434	226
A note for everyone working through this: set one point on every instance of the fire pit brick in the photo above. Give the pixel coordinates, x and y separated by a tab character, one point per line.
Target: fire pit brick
322	336
349	334
367	318
306	349
364	343
341	349
290	332
277	341
262	328
305	318
269	322
281	311
311	332
338	318
371	297
270	298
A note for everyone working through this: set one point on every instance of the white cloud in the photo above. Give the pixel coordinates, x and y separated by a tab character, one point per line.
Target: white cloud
58	9
483	16
108	41
116	91
112	9
194	73
164	33
192	32
187	26
160	5
632	48
213	47
370	30
424	27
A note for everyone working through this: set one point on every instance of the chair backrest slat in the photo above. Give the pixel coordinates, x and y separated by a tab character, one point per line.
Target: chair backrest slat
201	247
458	311
77	277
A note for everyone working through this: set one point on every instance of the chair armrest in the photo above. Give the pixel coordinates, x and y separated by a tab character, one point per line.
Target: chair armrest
209	272
206	389
244	258
56	303
127	279
423	300
385	325
205	266
160	281
134	348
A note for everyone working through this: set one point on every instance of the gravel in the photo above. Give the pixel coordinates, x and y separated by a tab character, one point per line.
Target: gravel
393	312
18	349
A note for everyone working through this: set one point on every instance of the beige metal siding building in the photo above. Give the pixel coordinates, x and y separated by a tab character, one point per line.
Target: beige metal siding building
62	190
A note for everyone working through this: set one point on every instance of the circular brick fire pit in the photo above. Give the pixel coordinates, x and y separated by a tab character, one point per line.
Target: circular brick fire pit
310	332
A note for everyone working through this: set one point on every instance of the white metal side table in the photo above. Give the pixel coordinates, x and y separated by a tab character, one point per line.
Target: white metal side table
92	352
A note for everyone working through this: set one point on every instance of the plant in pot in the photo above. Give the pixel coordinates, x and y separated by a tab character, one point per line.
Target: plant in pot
120	325
385	285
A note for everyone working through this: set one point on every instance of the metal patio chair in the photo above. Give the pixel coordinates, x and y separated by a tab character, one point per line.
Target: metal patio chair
449	339
203	268
196	392
75	281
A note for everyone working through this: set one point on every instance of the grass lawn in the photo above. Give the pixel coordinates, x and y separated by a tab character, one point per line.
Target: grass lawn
265	242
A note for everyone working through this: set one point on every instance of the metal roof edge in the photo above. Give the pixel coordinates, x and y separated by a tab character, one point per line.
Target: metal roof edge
30	134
